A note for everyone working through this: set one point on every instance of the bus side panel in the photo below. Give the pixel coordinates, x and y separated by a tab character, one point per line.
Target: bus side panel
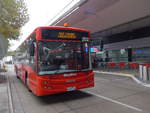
18	69
24	71
31	74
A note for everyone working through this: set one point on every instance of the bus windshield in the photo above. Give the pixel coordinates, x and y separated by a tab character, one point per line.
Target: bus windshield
61	57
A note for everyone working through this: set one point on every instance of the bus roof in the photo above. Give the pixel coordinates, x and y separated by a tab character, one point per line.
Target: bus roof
55	27
62	27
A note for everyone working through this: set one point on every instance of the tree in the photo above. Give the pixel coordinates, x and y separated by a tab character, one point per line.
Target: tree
3	46
13	15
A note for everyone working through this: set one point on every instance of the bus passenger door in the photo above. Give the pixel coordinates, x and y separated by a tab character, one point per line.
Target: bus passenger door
32	64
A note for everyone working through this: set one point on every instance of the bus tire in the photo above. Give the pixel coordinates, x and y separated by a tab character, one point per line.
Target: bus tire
17	73
17	77
27	82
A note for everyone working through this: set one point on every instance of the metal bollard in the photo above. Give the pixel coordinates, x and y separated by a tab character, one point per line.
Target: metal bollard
141	71
149	73
145	73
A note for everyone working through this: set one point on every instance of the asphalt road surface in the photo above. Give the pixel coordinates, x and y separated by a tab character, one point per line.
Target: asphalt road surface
111	94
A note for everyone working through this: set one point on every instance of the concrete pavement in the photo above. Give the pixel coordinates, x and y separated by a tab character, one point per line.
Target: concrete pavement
4	100
134	75
111	94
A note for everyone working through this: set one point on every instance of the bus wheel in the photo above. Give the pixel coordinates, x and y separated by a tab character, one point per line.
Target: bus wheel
17	73
17	77
27	83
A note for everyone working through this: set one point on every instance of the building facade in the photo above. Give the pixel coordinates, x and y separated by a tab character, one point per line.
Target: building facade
121	28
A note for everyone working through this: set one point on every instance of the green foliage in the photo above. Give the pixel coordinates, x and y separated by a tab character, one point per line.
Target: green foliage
13	15
10	53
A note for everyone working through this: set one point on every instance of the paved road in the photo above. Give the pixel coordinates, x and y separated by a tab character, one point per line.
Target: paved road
4	106
111	94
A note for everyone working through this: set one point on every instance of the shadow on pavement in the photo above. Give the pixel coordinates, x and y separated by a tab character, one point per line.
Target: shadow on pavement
2	78
63	97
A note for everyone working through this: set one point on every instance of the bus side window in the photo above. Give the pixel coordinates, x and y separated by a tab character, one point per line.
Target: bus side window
21	53
31	48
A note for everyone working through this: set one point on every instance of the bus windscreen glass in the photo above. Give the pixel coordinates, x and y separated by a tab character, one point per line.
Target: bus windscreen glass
61	57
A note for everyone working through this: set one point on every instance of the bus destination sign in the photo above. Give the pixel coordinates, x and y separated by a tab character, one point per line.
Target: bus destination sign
63	34
66	35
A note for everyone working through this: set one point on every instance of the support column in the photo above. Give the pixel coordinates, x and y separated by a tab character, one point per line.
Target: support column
129	54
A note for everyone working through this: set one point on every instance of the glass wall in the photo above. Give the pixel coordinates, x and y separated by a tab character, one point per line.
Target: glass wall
113	56
118	55
125	55
141	54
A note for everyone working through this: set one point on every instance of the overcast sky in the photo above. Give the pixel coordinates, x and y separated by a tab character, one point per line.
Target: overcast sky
41	12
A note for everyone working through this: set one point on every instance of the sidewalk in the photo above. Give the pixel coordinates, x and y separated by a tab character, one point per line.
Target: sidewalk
121	71
4	100
133	74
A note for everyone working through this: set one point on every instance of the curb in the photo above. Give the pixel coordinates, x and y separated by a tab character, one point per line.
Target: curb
11	108
125	75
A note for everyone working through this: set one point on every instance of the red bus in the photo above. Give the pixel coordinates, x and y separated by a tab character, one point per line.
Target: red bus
55	59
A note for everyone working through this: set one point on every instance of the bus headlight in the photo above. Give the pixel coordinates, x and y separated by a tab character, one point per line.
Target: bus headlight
45	82
47	87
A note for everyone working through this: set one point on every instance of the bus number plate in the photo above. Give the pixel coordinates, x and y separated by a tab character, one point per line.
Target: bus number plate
71	88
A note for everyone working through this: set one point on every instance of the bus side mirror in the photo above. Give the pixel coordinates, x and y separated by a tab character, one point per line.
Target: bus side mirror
31	49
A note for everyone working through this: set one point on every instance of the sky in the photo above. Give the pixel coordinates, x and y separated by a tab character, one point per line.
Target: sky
41	13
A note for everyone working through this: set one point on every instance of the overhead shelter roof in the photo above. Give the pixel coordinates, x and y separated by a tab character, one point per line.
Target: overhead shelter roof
98	15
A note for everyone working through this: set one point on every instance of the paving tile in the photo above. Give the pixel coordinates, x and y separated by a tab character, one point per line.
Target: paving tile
4	102
118	88
105	107
140	100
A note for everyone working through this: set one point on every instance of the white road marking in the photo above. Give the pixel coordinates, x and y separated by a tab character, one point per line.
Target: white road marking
10	95
114	101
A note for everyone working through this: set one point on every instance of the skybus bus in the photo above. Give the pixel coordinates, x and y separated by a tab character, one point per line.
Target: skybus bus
54	60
